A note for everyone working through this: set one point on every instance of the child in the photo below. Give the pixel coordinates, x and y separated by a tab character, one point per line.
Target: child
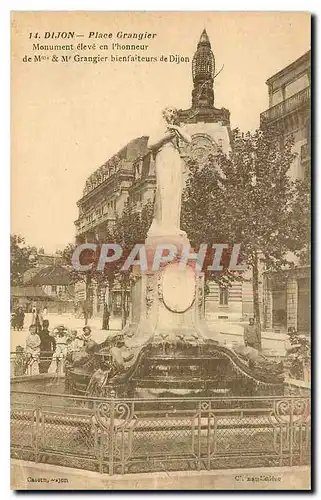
33	350
60	334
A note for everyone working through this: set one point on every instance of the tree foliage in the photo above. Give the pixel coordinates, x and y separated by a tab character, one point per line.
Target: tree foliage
299	354
248	197
20	259
130	227
263	206
203	217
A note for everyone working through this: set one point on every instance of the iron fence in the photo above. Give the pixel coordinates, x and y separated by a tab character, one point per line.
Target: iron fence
26	363
118	436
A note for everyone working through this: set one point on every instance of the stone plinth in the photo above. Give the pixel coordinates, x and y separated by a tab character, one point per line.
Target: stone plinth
167	302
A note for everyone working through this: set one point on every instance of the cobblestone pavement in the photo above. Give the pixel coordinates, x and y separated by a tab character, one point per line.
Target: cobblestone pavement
19	337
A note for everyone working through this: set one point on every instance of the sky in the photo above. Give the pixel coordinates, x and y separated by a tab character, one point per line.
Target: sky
67	119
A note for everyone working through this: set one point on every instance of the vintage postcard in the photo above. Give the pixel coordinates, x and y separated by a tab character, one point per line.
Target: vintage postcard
160	251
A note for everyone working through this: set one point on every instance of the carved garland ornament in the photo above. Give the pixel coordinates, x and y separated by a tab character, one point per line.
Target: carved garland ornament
149	299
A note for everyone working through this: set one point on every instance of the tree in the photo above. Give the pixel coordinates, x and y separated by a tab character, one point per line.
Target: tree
22	258
263	207
298	355
203	217
302	210
247	197
76	276
129	228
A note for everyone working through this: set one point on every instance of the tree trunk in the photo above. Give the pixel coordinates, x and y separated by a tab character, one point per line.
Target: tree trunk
88	297
123	308
110	298
256	301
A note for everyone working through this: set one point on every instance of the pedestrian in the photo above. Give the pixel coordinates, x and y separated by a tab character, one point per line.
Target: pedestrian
251	335
106	316
37	319
33	350
14	320
47	347
20	317
45	312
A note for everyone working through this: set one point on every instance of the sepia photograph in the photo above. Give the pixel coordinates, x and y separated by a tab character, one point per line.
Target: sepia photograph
160	267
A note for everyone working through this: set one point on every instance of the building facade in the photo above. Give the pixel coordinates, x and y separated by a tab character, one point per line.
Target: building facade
55	281
130	174
289	107
286	295
46	284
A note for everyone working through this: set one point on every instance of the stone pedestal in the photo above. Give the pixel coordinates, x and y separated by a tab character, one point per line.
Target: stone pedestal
167	304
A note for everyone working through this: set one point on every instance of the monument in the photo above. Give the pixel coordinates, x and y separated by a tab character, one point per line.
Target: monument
166	348
167	302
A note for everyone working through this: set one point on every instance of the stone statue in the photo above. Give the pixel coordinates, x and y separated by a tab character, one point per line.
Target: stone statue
169	176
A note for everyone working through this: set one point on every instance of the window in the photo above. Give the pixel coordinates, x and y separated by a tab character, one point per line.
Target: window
223	296
53	288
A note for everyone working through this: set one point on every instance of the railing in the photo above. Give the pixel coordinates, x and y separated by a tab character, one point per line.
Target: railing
26	364
109	216
287	106
145	435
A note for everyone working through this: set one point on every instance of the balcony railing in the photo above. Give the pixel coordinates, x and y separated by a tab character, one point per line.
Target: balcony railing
81	227
288	106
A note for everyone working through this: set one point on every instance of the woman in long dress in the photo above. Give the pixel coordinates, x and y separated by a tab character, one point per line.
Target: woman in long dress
169	176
